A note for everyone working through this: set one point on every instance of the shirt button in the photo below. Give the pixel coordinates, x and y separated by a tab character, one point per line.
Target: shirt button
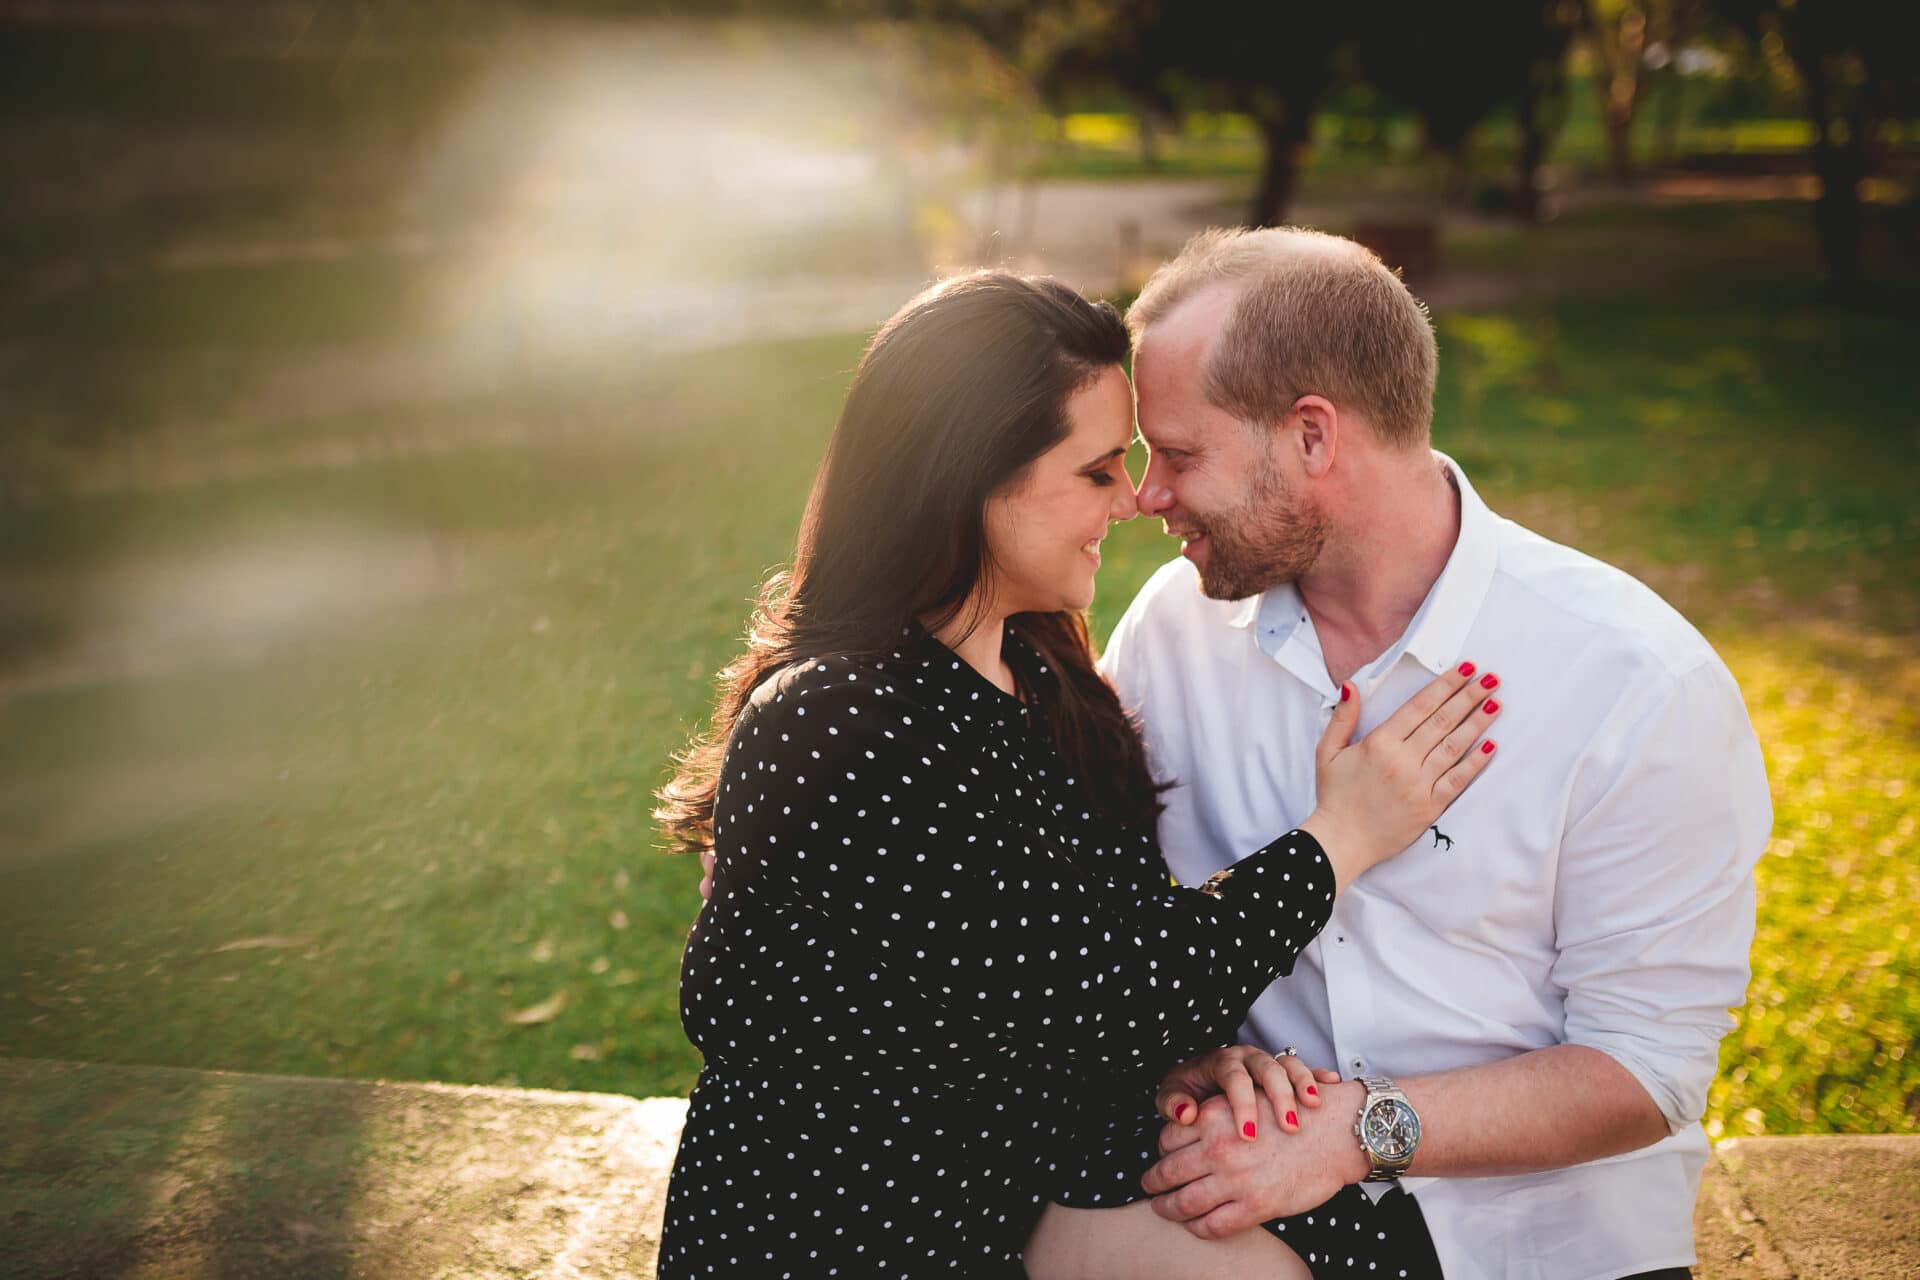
1340	939
1360	1065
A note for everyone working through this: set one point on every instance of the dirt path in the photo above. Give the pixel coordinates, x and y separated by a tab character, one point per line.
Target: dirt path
1106	237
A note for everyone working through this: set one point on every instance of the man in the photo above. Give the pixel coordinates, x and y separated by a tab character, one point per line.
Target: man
1544	979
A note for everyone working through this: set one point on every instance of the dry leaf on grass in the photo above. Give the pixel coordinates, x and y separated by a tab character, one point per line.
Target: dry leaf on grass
265	942
546	1011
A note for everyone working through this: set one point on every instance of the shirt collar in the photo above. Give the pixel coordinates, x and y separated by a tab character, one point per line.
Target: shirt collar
1437	631
1446	616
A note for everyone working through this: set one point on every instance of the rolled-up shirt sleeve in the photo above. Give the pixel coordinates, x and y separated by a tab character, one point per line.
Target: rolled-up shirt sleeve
1654	907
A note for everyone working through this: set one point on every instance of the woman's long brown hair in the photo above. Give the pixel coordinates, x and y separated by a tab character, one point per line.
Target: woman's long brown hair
955	397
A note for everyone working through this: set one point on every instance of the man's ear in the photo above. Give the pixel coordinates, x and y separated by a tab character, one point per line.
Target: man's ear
1318	433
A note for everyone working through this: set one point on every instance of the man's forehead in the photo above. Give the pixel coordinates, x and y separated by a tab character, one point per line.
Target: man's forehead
1182	336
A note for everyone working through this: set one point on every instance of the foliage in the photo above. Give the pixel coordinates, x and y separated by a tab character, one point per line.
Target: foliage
1171	57
1629	41
1455	66
1858	70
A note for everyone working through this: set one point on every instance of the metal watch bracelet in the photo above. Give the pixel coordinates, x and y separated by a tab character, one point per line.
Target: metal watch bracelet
1402	1137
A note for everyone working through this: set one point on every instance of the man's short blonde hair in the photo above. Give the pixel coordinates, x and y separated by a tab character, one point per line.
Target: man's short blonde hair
1315	314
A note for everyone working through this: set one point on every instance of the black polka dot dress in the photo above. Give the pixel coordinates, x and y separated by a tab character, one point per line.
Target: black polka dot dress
933	990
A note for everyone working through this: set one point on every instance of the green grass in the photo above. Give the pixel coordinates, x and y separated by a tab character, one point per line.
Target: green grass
432	790
1756	461
428	793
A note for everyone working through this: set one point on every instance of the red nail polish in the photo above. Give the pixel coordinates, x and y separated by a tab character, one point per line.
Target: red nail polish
1491	706
1247	1128
1489	681
1486	748
1180	1112
1293	1120
1312	1092
1467	668
1345	693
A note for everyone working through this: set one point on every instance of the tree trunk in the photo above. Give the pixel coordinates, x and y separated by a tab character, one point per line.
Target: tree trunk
1683	16
1284	134
1840	162
1533	149
1619	145
1149	141
1666	145
1541	110
1533	146
1456	180
1841	165
1619	51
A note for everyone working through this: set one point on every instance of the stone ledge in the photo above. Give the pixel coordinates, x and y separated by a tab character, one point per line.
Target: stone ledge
1813	1208
147	1172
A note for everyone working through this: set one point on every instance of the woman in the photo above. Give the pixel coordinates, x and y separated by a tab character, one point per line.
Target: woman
942	969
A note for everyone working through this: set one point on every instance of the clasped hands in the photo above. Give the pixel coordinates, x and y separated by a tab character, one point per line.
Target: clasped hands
1251	1137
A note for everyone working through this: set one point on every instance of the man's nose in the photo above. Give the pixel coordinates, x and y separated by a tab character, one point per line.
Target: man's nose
1156	496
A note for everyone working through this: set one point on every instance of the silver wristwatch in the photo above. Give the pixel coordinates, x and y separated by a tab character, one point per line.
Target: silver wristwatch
1388	1129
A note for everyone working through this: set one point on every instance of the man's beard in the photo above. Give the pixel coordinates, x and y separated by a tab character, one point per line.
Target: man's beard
1270	540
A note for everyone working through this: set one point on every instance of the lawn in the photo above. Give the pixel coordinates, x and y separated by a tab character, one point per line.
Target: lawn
344	767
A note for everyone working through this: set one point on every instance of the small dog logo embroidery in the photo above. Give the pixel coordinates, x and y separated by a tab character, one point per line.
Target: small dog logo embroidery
1440	837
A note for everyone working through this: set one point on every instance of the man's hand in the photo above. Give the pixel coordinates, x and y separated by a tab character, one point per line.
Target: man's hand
1541	1110
706	874
1216	1183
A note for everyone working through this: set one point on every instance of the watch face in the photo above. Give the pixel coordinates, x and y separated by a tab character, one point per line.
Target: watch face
1391	1129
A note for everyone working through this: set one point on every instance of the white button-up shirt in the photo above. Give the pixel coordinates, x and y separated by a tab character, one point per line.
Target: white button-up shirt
1594	886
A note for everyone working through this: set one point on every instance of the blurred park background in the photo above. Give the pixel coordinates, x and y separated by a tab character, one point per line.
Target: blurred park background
400	402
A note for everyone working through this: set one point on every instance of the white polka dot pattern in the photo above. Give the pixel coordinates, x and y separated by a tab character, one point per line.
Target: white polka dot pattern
933	989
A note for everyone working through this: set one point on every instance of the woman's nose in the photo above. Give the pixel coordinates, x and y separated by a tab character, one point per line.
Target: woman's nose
1126	504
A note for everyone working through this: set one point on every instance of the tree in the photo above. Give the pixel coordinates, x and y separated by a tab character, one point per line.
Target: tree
1454	66
1617	35
1542	104
1621	35
1664	63
1446	67
1276	72
1858	70
1274	62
